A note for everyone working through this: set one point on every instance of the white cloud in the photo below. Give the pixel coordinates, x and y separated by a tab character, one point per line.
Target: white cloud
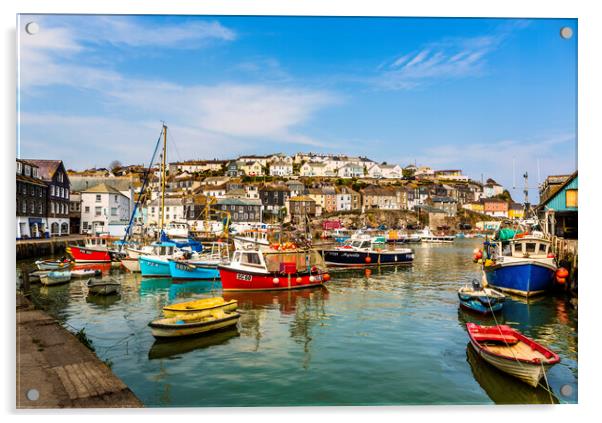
445	59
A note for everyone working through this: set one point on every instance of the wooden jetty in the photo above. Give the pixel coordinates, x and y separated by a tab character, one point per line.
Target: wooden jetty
40	247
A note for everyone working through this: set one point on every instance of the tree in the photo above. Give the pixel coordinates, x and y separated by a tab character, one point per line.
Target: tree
115	164
407	173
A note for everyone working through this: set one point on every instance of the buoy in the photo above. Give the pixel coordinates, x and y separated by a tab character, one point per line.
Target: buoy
561	281
479	254
276	281
298	280
562	272
475	251
368	259
311	279
326	277
551	255
368	273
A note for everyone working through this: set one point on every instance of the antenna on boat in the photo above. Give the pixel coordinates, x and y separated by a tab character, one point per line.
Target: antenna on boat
513	173
163	174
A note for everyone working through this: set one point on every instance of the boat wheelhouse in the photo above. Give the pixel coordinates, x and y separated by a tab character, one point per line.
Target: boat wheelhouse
157	263
366	251
522	265
204	266
257	270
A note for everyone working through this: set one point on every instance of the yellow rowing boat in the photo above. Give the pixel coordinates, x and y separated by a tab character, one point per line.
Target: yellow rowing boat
205	305
193	324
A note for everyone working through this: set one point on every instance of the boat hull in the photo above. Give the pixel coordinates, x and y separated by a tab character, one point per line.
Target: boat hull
184	271
131	264
241	280
103	289
55	278
477	306
364	258
87	255
154	267
521	278
202	306
171	331
45	265
528	373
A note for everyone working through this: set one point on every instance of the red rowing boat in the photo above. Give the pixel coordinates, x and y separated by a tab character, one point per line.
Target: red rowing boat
252	270
512	352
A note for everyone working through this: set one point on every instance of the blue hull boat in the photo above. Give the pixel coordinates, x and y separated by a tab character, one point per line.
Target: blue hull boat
523	278
481	300
190	271
154	266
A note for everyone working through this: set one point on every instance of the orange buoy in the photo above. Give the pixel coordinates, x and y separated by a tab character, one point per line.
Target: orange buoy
326	277
562	272
561	281
368	273
551	255
298	280
368	259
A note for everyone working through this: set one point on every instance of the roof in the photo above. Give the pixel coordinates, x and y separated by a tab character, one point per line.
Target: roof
440	199
102	189
46	168
559	189
121	183
239	202
30	180
302	198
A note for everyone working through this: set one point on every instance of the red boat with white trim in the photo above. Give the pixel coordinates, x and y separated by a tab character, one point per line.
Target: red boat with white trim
252	270
512	352
95	250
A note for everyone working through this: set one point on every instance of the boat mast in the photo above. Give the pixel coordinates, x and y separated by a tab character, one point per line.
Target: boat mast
164	159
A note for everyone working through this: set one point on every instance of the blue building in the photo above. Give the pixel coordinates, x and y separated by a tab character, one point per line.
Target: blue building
559	209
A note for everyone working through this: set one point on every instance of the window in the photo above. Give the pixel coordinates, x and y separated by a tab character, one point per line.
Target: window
250	258
571	198
67	194
27	170
35	172
85	225
40	209
116	199
98	198
19	167
24	207
97	211
87	209
52	190
530	247
113	211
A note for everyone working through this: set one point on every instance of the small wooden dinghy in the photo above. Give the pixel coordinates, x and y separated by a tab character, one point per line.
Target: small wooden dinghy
206	305
61	264
512	352
82	273
55	278
103	286
479	299
193	324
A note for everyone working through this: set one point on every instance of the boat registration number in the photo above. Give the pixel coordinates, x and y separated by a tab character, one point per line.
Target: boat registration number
243	277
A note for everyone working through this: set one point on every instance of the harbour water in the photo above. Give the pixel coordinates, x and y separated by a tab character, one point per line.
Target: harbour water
387	337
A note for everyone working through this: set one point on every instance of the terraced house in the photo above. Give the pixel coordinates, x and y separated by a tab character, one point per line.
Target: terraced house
31	201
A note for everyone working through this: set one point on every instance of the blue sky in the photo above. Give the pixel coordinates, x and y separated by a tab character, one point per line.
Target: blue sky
473	94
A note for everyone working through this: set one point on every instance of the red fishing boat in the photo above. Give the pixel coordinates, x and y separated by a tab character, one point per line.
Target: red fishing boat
95	250
252	270
512	352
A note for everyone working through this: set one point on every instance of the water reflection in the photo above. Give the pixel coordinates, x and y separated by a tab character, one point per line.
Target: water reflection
174	349
103	301
503	388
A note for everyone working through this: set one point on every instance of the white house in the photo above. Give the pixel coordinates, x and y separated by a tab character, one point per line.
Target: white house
174	211
313	169
104	209
391	171
351	171
281	168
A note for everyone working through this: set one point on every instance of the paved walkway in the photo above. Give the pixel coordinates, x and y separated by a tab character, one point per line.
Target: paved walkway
63	371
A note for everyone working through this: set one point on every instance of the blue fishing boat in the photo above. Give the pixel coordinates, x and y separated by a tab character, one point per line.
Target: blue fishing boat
366	251
180	269
203	266
521	266
480	299
157	264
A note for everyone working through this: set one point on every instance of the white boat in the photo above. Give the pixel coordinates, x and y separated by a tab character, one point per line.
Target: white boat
53	264
55	278
253	239
131	264
427	236
137	252
512	352
103	286
176	229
